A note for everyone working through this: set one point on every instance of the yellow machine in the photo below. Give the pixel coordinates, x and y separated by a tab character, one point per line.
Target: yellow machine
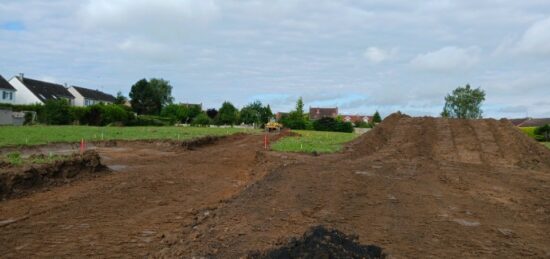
273	126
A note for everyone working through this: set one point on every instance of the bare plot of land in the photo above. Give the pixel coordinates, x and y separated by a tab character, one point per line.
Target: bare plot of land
417	187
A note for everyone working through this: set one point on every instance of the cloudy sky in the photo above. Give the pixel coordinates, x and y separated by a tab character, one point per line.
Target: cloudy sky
361	56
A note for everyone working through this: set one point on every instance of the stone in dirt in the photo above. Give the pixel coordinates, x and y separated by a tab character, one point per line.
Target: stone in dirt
319	242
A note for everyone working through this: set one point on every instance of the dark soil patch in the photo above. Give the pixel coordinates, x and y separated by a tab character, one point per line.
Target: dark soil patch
17	181
320	242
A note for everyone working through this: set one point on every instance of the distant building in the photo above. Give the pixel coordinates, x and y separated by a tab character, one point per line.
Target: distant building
7	91
530	122
86	97
31	91
356	118
319	113
189	105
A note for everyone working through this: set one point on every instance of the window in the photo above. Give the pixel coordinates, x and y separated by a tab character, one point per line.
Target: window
4	95
11	95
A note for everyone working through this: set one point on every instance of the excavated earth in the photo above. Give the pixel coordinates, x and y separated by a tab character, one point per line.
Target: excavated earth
414	187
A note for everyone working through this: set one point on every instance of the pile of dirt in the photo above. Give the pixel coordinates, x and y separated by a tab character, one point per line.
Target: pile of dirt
15	181
486	142
319	242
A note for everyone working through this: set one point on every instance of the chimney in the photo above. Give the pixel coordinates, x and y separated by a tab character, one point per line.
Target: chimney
21	76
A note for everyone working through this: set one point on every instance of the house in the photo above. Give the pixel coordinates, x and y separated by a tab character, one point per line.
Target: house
356	118
319	113
280	115
7	92
86	97
189	105
532	122
31	91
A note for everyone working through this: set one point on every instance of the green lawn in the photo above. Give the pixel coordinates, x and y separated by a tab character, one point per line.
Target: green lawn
314	141
33	135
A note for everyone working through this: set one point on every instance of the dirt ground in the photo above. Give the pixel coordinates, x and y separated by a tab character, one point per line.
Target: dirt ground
416	187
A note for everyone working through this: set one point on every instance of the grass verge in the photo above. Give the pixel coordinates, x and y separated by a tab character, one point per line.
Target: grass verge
35	135
547	144
314	141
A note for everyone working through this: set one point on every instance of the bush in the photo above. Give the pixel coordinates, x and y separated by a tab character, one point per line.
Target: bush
174	111
150	120
330	124
101	114
56	112
201	120
544	132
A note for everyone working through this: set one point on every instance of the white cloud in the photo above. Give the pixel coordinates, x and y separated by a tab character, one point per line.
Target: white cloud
447	59
377	55
536	40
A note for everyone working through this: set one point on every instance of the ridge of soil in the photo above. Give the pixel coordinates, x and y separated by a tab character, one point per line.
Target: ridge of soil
16	181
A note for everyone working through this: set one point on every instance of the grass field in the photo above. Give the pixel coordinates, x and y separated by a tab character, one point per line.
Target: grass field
34	135
314	141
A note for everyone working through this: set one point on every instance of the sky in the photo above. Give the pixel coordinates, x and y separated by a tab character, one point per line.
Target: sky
360	56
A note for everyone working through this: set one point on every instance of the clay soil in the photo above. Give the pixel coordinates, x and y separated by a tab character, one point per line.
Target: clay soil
416	187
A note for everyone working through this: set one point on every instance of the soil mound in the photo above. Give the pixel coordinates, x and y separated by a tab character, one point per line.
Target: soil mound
485	142
320	242
16	181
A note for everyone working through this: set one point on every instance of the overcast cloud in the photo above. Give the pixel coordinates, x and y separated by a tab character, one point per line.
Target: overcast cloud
361	56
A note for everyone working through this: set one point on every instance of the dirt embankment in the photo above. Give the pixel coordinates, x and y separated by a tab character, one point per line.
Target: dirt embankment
486	142
19	180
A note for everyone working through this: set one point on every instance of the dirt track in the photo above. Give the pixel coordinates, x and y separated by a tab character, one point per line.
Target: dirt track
417	187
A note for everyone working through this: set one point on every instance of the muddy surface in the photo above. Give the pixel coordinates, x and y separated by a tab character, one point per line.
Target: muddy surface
16	181
415	187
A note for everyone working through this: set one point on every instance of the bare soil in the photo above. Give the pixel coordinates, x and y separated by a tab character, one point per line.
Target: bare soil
416	187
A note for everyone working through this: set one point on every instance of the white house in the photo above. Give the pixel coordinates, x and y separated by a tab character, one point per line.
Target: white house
86	97
30	91
7	92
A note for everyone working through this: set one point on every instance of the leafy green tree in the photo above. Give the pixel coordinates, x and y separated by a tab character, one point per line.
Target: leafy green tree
120	98
149	97
464	103
376	118
227	114
192	112
201	120
296	118
212	113
544	131
174	111
255	113
57	112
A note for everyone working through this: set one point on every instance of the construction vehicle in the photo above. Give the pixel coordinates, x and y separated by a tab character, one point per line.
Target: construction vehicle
273	126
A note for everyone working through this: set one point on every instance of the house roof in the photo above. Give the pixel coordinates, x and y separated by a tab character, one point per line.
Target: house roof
45	90
4	84
94	94
535	122
318	113
354	118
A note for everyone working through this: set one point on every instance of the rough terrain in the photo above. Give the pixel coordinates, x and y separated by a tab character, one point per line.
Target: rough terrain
416	187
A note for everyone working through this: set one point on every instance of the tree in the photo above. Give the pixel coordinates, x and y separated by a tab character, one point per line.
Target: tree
227	114
201	120
120	99
464	103
295	119
149	97
212	113
376	118
255	113
192	112
544	131
174	111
